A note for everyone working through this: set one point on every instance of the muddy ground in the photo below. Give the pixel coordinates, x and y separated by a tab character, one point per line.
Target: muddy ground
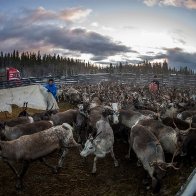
75	179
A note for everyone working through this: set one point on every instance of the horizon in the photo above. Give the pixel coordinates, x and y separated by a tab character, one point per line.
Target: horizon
102	32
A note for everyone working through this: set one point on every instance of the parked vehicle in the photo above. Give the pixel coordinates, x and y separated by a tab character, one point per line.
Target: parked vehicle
10	77
9	73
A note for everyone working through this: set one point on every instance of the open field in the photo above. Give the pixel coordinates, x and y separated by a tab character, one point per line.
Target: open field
75	178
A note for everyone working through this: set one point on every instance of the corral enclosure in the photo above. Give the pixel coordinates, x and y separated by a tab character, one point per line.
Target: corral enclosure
76	179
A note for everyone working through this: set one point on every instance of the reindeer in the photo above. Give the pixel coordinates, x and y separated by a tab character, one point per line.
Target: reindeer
149	151
167	136
188	140
59	95
94	115
45	115
33	147
73	96
186	114
128	118
11	133
102	143
68	116
16	121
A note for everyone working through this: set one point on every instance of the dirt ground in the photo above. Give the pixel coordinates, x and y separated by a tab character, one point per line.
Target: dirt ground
75	178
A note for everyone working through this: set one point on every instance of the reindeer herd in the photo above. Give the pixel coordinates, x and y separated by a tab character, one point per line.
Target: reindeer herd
153	124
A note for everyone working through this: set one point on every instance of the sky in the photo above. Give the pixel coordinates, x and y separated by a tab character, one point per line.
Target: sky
102	31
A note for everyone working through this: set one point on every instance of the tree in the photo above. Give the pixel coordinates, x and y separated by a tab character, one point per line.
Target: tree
111	69
120	67
165	67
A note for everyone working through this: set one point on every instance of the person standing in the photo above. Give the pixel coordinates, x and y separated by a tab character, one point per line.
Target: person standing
155	81
154	85
51	87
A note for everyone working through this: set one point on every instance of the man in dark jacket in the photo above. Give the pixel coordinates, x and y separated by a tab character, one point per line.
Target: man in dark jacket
51	87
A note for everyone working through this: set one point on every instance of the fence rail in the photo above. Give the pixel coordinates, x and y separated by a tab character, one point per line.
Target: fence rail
14	83
129	78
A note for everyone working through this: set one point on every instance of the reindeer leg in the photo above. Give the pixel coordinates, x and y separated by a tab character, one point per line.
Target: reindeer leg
11	167
139	163
114	158
129	152
94	165
18	178
130	144
61	160
53	168
145	180
19	183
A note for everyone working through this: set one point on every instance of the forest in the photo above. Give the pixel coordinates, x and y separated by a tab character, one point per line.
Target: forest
35	64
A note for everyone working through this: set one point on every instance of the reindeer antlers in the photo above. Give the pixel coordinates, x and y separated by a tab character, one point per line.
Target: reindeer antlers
90	135
185	132
172	165
25	105
158	164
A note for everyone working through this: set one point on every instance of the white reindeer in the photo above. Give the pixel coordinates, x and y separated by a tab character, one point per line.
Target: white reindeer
101	144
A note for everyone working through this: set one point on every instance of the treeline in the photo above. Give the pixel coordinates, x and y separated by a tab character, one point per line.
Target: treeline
148	67
35	64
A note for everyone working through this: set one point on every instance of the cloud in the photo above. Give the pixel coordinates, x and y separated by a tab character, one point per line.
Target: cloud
94	24
102	27
179	40
16	34
150	2
181	57
74	14
98	58
176	57
153	57
150	52
190	4
41	15
87	42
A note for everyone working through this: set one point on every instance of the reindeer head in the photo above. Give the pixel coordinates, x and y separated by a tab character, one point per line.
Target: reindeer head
182	134
90	146
161	167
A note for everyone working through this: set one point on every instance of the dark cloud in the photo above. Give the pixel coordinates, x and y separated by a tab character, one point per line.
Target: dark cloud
98	59
176	57
181	41
176	49
152	57
150	52
18	34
